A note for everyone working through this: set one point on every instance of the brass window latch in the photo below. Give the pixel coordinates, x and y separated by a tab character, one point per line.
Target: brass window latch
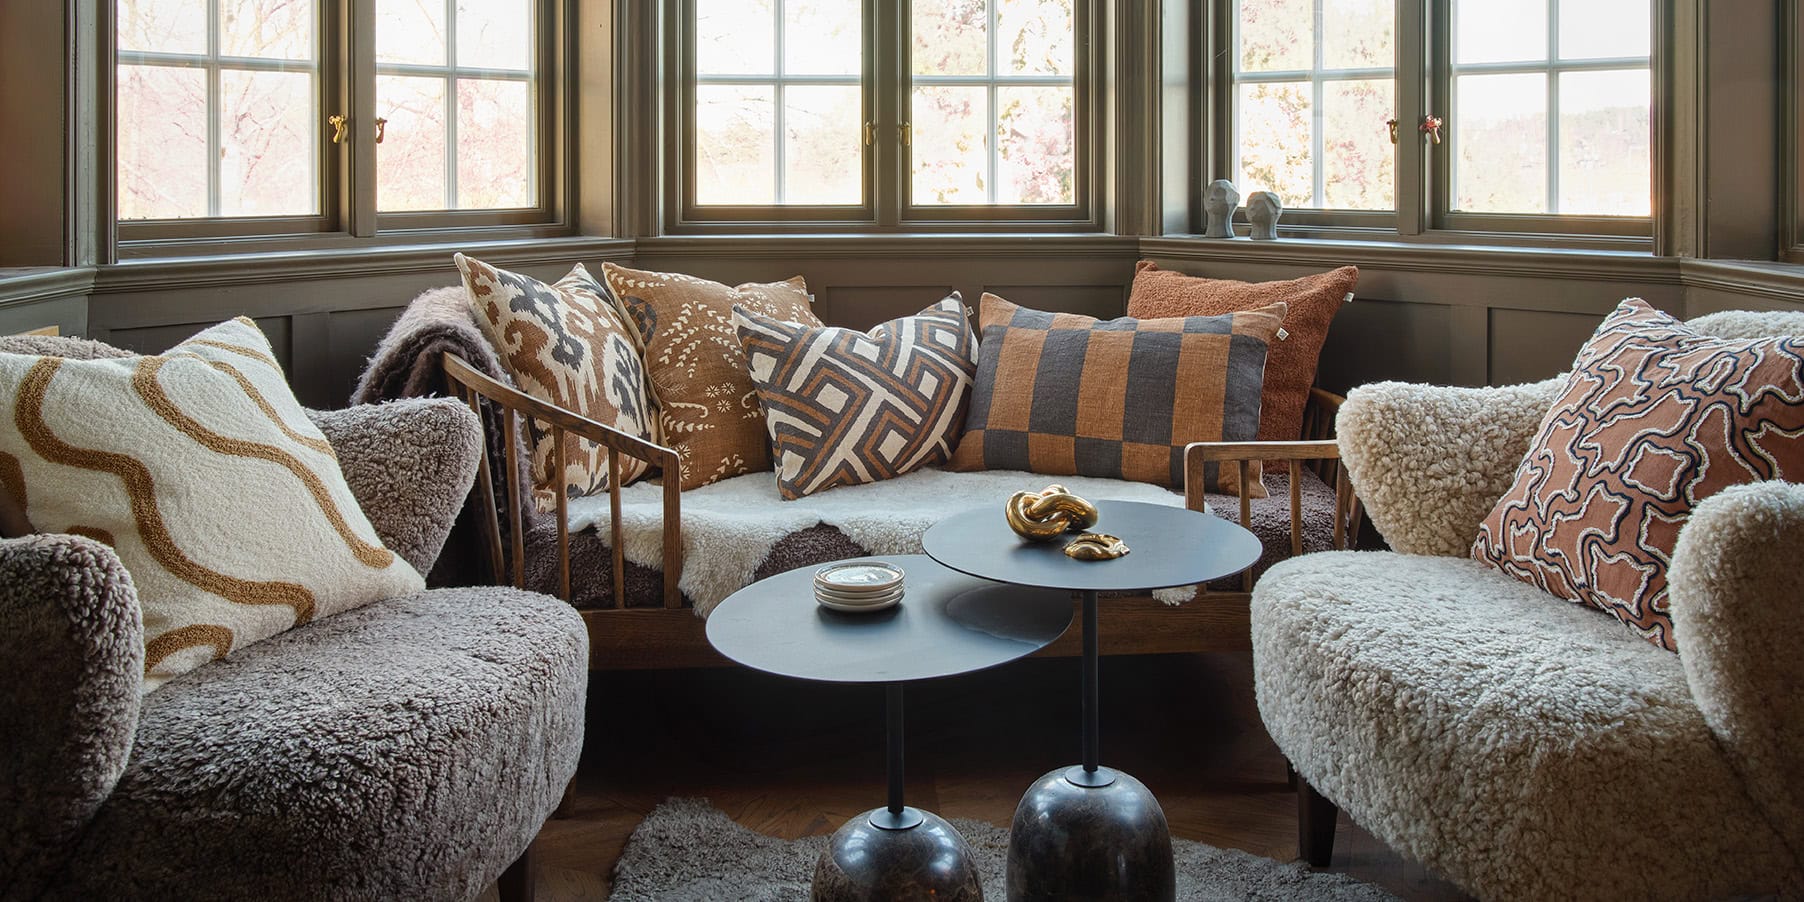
381	129
908	134
1430	128
870	133
341	126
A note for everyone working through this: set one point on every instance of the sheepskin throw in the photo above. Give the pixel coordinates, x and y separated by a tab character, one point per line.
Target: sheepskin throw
846	407
707	406
564	344
730	527
1654	418
199	468
1310	305
1064	394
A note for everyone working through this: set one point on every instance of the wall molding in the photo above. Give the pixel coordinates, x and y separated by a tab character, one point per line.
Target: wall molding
37	286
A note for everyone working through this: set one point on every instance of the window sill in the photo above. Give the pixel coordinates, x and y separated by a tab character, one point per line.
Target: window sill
1477	259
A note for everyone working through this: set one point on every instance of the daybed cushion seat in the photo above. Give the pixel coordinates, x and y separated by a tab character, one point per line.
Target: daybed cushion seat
395	751
1546	727
592	564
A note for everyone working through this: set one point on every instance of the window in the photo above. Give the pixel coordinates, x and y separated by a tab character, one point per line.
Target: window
247	117
1544	110
778	115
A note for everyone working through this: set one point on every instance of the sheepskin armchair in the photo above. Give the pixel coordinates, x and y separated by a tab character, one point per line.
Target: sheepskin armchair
1520	745
408	749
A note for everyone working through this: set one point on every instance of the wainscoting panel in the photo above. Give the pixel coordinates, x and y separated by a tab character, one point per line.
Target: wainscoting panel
1100	301
157	339
1373	340
1531	345
864	306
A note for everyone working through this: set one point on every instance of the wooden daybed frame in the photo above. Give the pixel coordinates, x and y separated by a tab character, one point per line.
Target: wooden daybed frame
638	638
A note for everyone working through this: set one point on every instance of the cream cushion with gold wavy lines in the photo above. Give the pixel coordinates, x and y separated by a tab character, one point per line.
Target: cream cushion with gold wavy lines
200	469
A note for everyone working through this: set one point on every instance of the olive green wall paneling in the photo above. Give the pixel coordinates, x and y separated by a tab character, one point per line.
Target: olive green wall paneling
33	86
1794	148
1529	345
864	306
1743	107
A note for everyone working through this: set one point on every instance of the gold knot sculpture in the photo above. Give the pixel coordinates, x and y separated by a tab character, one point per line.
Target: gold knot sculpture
1096	546
1053	512
1049	513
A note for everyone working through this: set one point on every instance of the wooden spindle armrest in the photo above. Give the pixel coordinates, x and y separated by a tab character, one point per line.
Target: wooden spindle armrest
1198	455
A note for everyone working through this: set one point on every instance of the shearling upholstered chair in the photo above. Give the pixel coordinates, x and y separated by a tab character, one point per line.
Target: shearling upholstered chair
1523	746
408	749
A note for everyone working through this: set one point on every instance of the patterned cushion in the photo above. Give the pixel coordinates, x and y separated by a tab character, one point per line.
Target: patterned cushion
564	344
1063	394
707	407
846	407
1654	418
1311	303
200	469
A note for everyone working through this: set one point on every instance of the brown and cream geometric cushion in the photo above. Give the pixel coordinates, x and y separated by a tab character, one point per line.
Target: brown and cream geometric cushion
199	468
564	344
846	407
1063	394
1310	302
1654	418
707	406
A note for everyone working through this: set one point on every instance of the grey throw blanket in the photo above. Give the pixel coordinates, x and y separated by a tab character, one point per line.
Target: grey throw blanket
408	363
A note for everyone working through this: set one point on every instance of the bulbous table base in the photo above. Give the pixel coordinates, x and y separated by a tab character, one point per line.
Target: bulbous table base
1104	840
866	861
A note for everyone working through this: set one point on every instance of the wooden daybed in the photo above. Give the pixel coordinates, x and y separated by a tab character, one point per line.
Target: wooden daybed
638	619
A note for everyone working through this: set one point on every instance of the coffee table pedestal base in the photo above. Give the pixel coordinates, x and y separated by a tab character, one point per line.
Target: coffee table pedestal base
1107	841
928	861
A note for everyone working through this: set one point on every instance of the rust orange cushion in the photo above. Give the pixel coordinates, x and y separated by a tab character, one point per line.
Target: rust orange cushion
1069	395
1312	302
1654	419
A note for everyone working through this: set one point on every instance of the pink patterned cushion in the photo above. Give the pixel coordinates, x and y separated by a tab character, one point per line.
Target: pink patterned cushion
1654	419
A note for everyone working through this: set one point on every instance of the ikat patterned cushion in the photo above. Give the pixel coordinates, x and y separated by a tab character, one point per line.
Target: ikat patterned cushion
1070	395
203	473
845	407
707	406
564	344
1654	418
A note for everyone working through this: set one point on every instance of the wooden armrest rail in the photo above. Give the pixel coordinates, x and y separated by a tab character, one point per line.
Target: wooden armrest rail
469	384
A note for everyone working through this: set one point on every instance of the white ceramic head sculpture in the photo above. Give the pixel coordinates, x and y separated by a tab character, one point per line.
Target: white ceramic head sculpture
1263	210
1219	201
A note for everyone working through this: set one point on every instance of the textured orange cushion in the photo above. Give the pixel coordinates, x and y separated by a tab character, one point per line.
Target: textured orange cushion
1654	419
1290	369
1069	395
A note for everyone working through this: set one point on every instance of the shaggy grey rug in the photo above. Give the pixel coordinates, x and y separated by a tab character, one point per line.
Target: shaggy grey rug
687	849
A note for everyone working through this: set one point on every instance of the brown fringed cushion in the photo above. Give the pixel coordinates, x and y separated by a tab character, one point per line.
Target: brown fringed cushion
1070	395
1311	303
707	405
564	344
1654	419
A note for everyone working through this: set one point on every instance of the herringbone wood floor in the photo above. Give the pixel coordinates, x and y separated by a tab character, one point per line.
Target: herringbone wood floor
793	759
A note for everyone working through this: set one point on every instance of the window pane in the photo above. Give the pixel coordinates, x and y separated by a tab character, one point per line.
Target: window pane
735	144
1275	137
1276	35
495	34
1357	34
494	145
1500	143
950	148
1358	159
162	142
266	144
1605	143
411	161
823	154
1034	146
1591	29
410	31
951	37
1033	37
735	37
267	29
823	37
1495	31
163	26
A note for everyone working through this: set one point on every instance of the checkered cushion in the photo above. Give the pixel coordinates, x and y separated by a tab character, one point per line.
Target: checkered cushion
1063	394
846	407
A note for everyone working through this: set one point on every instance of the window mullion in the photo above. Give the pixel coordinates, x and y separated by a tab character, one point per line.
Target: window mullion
451	105
1414	69
215	111
1553	106
994	120
1318	167
779	180
890	69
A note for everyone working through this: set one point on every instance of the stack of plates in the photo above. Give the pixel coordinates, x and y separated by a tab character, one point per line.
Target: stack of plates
858	586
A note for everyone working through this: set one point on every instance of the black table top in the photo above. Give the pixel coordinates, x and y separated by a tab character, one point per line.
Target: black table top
948	623
1168	546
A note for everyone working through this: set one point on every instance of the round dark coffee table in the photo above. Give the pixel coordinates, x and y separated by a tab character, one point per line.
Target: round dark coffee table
947	624
1089	831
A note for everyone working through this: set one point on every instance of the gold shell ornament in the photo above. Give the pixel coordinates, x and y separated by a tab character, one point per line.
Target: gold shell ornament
1049	513
1096	546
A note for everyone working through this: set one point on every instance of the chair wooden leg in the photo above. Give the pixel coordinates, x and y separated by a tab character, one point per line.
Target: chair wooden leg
1290	776
566	806
516	883
1316	818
